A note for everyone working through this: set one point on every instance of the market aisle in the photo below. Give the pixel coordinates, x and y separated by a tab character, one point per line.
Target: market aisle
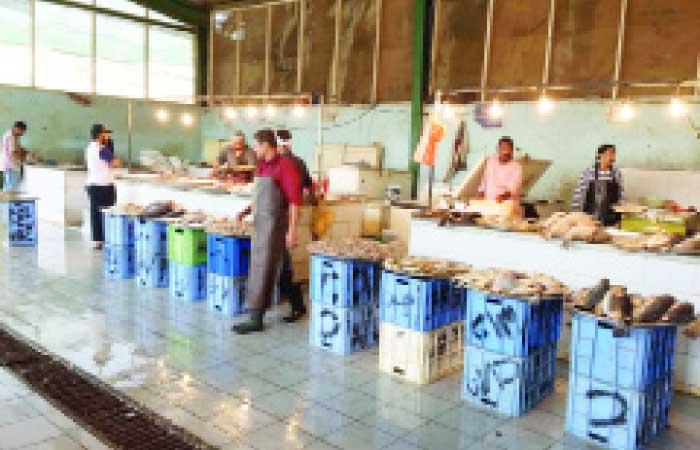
262	391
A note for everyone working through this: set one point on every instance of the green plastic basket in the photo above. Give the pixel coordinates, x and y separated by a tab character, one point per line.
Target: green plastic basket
187	245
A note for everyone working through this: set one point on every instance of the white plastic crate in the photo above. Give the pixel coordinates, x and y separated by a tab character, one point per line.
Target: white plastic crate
564	344
421	357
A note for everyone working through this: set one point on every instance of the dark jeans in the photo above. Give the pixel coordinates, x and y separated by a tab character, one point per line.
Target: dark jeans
100	197
288	288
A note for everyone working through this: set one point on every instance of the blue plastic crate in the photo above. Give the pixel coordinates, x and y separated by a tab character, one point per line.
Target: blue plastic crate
342	282
511	326
631	361
151	237
508	385
119	261
228	255
118	229
151	270
456	304
21	211
620	419
226	295
421	304
188	283
342	330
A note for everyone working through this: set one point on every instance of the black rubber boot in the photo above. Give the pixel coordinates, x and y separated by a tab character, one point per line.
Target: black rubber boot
253	325
295	315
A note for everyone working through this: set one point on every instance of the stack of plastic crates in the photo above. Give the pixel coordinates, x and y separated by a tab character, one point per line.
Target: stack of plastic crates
510	358
151	236
228	262
421	327
620	382
19	222
119	253
344	304
187	261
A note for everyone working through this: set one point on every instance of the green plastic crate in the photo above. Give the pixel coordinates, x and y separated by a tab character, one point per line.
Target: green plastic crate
187	245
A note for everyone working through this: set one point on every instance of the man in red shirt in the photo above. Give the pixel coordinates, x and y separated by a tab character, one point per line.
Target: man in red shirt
276	214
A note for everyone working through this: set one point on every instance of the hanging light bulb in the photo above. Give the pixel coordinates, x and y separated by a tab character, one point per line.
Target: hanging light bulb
251	112
448	112
677	107
495	111
626	112
162	115
187	119
270	111
230	114
545	105
298	111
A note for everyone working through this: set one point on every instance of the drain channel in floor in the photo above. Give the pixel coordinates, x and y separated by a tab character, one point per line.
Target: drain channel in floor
118	421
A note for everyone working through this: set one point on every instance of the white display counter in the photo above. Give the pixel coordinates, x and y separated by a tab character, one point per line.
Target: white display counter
217	205
581	265
60	192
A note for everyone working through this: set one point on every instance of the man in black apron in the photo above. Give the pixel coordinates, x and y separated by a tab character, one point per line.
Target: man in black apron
275	215
600	188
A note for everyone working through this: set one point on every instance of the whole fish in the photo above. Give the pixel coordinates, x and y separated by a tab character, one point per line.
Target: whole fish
655	308
681	312
595	296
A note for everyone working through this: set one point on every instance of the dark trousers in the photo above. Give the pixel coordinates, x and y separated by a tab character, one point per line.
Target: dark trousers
289	288
100	197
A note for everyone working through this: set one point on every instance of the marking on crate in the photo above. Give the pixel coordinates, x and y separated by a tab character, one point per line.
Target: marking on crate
501	323
482	380
620	419
325	335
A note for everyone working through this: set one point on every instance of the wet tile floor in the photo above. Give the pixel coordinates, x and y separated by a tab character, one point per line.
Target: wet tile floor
263	391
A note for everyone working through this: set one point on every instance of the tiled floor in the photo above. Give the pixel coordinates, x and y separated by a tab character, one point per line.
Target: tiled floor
263	391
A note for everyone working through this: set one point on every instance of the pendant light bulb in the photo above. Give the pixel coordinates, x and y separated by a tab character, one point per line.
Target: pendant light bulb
162	115
495	111
270	111
677	107
626	112
187	119
448	112
230	114
545	105
298	111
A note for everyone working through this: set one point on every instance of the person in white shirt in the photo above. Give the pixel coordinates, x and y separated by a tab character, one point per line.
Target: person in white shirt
11	157
100	159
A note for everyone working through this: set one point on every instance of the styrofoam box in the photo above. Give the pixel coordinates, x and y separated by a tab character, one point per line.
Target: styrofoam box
629	362
505	384
420	357
620	419
687	370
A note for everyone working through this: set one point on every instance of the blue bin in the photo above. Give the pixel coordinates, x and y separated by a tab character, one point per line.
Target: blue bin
21	211
632	361
119	261
118	229
19	224
188	283
343	330
420	304
342	282
615	418
228	255
151	270
511	326
226	295
508	385
151	237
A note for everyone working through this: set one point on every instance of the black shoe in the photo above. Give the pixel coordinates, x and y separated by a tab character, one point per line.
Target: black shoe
294	316
253	325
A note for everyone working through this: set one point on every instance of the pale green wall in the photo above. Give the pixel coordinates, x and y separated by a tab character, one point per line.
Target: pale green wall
569	136
59	128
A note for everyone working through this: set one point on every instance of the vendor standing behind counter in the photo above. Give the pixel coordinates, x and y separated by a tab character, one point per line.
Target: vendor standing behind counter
600	188
503	176
236	154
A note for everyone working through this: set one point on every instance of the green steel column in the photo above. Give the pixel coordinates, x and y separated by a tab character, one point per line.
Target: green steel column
202	59
420	32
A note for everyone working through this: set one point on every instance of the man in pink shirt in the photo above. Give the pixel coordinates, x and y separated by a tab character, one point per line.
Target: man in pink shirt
503	176
11	157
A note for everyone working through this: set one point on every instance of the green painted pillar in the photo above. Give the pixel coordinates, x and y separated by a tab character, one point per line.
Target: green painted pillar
420	52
